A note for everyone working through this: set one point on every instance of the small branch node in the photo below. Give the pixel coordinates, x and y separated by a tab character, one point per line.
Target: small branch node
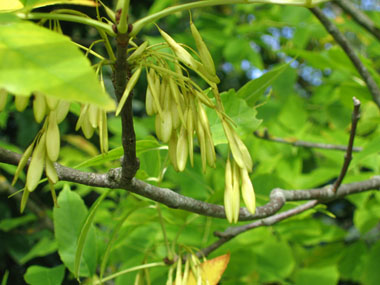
277	193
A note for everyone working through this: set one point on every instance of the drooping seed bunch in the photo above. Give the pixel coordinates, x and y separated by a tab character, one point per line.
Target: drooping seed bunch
179	106
236	177
91	118
179	115
44	150
191	273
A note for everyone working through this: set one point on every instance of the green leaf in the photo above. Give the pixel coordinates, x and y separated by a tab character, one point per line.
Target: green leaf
8	224
372	148
353	270
367	216
5	278
33	58
39	275
238	49
151	164
43	247
332	58
266	183
157	6
274	269
238	110
316	276
113	237
371	274
85	231
255	88
68	220
293	115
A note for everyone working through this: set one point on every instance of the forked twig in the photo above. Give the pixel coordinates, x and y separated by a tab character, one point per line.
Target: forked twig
348	156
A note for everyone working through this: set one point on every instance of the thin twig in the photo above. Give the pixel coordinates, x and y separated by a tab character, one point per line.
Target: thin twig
342	41
300	143
232	232
348	156
360	17
170	198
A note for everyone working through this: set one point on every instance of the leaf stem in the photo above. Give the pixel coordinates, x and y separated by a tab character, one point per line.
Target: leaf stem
107	45
70	18
144	266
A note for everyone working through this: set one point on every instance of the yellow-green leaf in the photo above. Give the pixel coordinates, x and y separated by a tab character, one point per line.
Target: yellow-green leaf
10	5
33	58
13	5
211	270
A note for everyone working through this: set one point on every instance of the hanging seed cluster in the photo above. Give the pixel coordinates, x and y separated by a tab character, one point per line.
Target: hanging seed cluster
91	118
178	105
44	149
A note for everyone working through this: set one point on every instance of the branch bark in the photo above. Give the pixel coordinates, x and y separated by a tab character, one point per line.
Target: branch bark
232	232
278	197
343	42
301	143
121	74
348	156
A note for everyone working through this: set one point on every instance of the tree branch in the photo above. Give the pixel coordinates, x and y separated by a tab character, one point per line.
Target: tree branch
360	17
348	156
121	74
342	41
232	232
301	143
278	197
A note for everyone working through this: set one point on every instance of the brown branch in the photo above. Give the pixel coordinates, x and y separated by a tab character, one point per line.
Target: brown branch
360	17
342	41
121	73
278	197
232	232
301	143
348	156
